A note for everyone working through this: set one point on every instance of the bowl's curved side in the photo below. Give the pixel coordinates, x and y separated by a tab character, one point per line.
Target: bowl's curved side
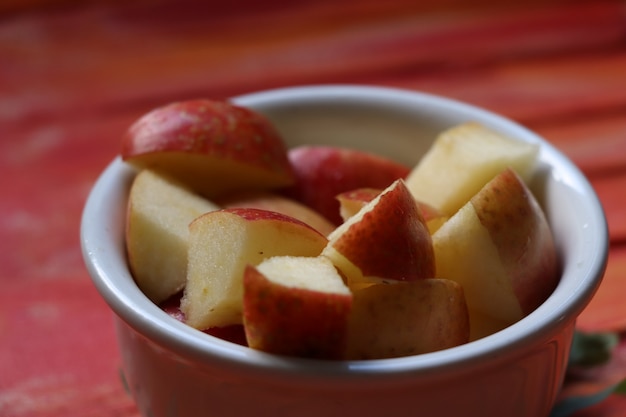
524	383
399	124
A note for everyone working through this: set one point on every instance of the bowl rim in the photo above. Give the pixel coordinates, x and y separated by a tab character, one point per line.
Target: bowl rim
133	308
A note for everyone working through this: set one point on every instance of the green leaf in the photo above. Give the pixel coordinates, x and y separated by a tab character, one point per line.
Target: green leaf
592	349
570	405
621	388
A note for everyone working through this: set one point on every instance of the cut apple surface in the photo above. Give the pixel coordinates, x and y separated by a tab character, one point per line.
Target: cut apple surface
213	146
462	160
296	306
221	244
386	240
275	202
499	247
158	215
407	318
323	172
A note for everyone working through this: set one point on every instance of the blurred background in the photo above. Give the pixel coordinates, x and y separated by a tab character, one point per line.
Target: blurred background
75	74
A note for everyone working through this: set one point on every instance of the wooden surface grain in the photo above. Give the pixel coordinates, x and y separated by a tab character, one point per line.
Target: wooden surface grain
75	74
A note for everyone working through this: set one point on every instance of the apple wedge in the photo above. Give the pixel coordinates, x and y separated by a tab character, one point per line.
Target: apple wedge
499	247
221	244
273	201
386	240
296	306
407	318
350	202
213	146
323	172
158	215
462	160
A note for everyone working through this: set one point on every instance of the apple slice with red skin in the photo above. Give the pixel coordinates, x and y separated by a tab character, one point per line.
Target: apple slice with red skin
213	146
350	202
221	244
500	248
296	306
159	211
233	333
267	200
323	172
407	318
386	240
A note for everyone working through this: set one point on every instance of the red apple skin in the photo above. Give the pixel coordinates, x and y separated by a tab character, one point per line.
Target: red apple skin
527	250
215	129
323	172
352	201
272	201
253	214
391	241
302	322
197	126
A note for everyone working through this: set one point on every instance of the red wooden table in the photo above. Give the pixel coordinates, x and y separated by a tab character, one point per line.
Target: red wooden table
74	75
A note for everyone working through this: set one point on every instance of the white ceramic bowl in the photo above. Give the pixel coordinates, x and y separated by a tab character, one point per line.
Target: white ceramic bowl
174	370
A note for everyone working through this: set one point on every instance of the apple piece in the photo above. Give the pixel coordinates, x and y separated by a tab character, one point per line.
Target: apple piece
323	172
350	202
483	325
386	240
233	334
158	215
296	306
171	306
272	201
221	244
407	318
499	247
213	146
462	160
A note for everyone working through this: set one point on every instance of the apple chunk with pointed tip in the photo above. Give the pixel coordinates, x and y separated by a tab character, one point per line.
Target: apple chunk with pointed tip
213	146
296	306
407	318
273	201
500	248
350	202
158	215
386	240
221	244
323	172
462	160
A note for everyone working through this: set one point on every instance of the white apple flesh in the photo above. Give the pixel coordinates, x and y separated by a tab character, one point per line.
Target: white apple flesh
221	244
158	215
462	160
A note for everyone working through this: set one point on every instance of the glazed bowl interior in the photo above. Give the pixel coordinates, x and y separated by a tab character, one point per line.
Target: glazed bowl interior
397	124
